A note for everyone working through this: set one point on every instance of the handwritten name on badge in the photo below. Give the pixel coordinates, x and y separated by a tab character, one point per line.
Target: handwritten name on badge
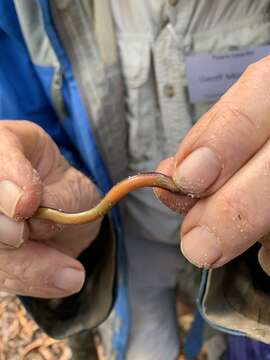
209	76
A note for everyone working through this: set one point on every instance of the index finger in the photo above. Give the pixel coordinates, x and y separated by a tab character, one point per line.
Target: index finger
226	137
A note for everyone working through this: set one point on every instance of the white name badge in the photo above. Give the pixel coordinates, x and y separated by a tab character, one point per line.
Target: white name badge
210	75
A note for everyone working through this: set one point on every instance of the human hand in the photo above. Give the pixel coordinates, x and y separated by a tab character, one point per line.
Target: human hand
38	258
224	164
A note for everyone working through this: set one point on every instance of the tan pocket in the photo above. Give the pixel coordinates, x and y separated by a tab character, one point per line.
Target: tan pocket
135	56
135	52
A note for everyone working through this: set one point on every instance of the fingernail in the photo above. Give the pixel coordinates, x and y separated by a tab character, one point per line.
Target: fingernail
198	171
263	257
201	247
69	279
10	195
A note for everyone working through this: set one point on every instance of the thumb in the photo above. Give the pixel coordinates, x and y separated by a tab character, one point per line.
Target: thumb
20	184
178	203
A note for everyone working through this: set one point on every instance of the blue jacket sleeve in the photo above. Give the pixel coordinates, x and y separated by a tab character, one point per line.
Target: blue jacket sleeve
22	97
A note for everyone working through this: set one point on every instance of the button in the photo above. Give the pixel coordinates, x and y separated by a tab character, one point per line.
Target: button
169	91
173	2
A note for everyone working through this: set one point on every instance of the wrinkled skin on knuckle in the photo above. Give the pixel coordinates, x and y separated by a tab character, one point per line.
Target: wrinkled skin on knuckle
5	278
238	230
238	211
28	271
84	193
10	139
48	162
218	125
18	279
257	77
235	114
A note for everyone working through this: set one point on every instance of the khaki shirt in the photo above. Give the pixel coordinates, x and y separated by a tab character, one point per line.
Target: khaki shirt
154	37
128	61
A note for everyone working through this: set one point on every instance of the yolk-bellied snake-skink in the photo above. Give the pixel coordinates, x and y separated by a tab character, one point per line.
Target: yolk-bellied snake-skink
120	190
